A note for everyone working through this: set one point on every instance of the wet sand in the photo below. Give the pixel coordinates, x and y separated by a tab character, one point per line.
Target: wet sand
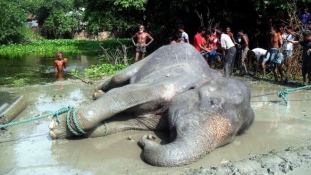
277	143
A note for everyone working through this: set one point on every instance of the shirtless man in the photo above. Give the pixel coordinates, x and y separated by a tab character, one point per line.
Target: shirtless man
60	63
276	56
59	66
141	45
245	48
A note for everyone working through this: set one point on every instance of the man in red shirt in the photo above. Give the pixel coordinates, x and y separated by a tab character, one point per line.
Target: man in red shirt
198	38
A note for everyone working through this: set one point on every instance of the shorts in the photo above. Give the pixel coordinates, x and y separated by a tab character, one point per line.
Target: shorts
244	53
275	56
141	49
287	53
210	56
265	59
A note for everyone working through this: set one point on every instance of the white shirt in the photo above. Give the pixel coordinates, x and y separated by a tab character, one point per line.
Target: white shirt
259	52
184	36
226	41
287	45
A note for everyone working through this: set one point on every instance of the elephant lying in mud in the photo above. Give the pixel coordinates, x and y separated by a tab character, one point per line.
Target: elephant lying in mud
171	90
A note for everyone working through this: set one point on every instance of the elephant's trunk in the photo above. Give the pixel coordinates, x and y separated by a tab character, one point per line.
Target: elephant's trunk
193	142
180	152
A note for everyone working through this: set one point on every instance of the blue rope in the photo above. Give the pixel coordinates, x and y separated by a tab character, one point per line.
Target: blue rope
282	94
56	113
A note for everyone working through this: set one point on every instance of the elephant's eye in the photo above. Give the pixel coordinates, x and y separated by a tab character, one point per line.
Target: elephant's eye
212	102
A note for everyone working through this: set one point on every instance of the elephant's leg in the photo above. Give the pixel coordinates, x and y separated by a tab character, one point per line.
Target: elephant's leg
119	79
112	103
110	127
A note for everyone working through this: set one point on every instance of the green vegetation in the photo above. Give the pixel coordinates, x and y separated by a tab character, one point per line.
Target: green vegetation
16	74
101	70
86	47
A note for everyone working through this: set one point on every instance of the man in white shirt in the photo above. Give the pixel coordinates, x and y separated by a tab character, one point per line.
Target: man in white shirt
229	52
262	56
288	48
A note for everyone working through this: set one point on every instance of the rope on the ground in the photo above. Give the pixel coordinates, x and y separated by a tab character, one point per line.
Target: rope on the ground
282	94
56	113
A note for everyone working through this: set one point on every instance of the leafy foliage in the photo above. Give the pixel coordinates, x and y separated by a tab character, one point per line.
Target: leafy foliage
101	70
62	45
12	22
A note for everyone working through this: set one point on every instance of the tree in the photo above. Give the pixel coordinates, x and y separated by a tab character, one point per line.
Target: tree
58	18
12	22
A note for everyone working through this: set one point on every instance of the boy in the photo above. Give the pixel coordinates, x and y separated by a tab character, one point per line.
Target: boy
181	29
306	62
60	63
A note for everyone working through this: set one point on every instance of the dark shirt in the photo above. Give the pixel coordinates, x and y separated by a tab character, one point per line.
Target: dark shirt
306	45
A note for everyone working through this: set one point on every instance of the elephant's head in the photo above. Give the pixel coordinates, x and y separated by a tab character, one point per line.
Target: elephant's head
203	119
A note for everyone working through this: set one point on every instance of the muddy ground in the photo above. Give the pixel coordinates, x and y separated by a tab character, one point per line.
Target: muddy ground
277	143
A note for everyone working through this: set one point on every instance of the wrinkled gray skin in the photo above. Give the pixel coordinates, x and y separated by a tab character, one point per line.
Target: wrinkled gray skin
172	90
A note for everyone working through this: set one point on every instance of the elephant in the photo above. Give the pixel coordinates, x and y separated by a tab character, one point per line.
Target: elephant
172	90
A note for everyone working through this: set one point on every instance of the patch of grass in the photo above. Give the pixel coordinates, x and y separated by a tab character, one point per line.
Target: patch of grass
101	70
85	47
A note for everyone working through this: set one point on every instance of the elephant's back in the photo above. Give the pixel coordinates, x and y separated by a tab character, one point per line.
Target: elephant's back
174	60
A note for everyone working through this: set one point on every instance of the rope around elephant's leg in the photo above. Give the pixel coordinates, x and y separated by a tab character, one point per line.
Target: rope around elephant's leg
73	110
56	113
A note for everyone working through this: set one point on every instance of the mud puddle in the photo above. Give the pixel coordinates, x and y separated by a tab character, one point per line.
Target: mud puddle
27	148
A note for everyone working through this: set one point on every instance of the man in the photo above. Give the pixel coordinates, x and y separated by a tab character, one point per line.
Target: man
305	18
60	63
181	29
276	56
306	52
229	52
288	48
59	66
261	56
244	46
230	34
177	38
208	49
198	38
141	45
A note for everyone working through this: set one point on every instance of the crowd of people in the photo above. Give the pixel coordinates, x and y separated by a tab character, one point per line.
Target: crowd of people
223	48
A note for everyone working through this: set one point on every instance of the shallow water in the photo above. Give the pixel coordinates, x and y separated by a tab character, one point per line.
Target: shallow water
27	148
38	68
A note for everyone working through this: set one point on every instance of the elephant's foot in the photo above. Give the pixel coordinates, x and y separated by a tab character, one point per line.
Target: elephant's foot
147	139
97	94
59	130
